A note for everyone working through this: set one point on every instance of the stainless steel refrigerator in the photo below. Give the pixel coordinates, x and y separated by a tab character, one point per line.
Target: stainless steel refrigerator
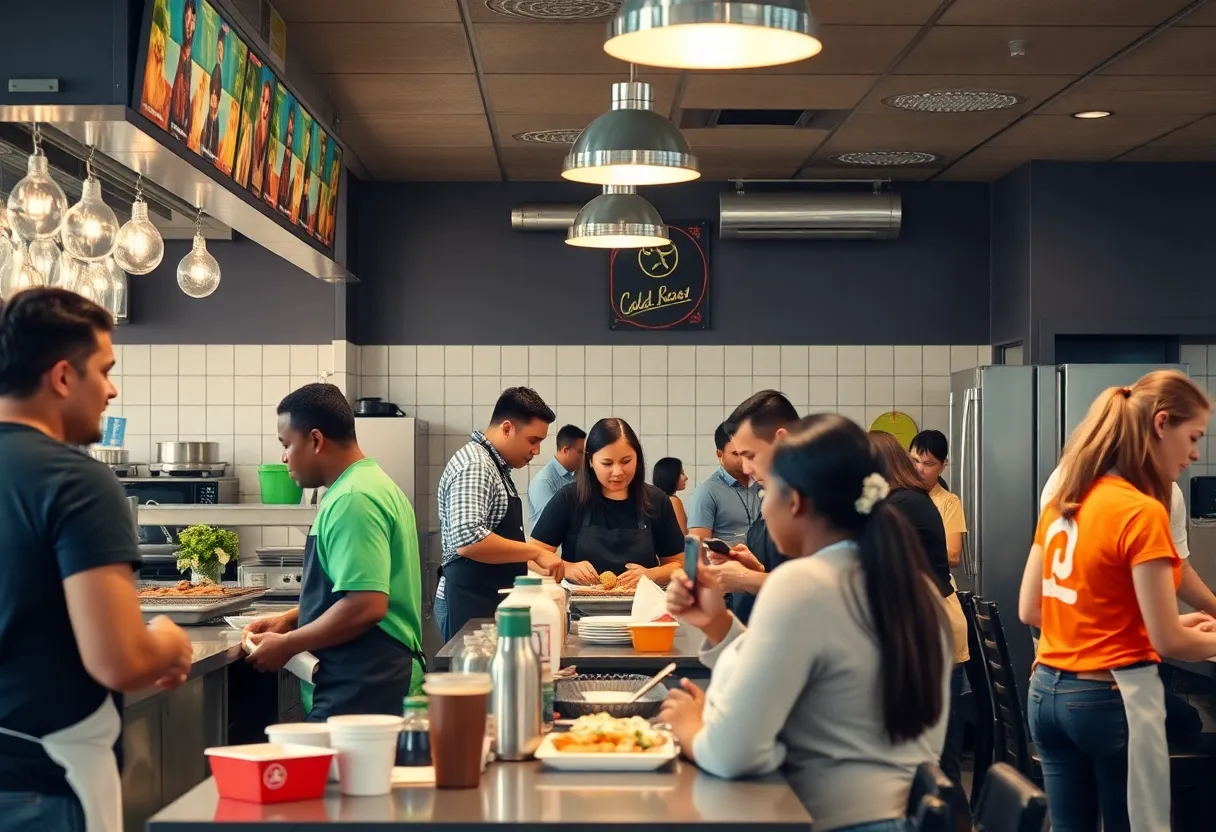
1008	425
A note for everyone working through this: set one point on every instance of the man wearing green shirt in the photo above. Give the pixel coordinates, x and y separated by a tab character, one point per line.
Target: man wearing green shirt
360	598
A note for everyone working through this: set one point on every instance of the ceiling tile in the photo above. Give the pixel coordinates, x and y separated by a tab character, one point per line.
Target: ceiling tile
827	170
740	140
720	90
378	95
972	174
948	134
1138	95
479	13
1057	13
588	95
383	47
984	50
433	164
1059	134
368	11
417	131
509	124
848	50
1155	153
1033	88
1205	15
873	12
1201	133
747	169
1175	51
552	48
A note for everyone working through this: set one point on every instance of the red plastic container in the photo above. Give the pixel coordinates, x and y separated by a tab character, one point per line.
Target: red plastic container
269	773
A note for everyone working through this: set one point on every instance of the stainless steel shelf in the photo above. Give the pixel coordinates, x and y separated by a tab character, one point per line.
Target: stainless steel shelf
229	514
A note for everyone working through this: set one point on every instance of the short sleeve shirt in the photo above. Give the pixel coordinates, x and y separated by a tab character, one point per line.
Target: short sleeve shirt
561	522
724	506
62	513
1091	617
950	507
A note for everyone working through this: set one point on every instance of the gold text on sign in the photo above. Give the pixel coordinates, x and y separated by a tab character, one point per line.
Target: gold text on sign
653	299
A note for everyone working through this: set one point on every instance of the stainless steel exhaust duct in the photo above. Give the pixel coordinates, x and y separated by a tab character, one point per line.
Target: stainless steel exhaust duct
544	216
800	216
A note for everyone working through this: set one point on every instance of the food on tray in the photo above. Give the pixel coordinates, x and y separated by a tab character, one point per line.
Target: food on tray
185	589
608	580
603	734
665	618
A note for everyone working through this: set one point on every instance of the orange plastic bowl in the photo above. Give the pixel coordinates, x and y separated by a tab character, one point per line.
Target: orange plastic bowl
656	637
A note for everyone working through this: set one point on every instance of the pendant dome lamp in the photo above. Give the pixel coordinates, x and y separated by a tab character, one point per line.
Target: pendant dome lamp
618	218
631	144
713	34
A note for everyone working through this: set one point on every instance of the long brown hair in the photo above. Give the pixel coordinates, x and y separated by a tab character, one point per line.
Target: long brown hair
1117	434
901	473
826	458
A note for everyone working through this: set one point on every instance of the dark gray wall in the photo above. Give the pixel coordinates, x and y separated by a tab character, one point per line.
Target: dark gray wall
1010	261
261	299
439	264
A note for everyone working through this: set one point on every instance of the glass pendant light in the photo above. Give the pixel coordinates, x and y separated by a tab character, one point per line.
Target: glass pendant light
713	34
198	274
90	227
93	281
21	275
6	252
68	273
631	144
44	256
115	300
618	218
139	247
36	204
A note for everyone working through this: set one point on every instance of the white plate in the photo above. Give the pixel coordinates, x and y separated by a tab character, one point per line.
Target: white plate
606	621
573	761
240	622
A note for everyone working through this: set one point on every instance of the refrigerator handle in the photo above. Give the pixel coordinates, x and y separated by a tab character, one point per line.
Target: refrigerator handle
965	489
976	551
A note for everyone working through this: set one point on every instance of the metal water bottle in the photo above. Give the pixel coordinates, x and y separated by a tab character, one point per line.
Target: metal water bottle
515	673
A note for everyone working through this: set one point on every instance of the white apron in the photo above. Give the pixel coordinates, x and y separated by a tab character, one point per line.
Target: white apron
86	752
1148	768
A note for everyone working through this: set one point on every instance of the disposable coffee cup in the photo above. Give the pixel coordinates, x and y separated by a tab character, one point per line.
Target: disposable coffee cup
367	746
303	733
456	707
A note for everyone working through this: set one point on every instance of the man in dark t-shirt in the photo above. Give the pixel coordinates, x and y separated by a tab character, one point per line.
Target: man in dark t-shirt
70	626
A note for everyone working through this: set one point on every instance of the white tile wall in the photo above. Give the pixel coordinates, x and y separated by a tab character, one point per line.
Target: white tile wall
673	396
1201	361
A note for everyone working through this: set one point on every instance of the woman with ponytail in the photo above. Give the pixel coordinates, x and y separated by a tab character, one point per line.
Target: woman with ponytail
835	681
1100	584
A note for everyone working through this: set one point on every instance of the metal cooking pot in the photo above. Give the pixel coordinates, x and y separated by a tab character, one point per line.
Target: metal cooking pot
188	453
110	456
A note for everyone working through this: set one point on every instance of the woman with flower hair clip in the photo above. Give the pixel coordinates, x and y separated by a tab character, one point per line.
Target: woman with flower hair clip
834	682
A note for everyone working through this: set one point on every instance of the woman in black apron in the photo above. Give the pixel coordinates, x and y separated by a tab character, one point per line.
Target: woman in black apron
609	519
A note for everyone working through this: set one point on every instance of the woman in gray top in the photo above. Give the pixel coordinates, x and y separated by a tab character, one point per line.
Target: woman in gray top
850	706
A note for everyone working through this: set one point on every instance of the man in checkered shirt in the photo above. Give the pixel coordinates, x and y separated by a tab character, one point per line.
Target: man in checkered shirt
481	517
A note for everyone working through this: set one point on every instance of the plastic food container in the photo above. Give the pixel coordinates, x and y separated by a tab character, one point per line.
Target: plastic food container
367	746
277	486
270	773
303	733
655	637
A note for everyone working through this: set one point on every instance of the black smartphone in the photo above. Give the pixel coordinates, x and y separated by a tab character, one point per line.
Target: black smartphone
692	557
718	547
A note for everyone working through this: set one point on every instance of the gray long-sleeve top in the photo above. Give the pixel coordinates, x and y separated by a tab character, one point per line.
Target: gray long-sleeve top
799	690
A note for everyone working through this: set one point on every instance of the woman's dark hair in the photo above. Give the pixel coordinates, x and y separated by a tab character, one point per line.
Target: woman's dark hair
667	475
826	458
603	433
901	473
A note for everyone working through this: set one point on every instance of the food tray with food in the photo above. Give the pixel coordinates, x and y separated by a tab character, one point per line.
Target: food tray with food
585	695
187	603
606	587
600	742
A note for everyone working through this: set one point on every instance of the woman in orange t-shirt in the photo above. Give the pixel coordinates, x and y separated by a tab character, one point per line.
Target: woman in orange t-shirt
1100	583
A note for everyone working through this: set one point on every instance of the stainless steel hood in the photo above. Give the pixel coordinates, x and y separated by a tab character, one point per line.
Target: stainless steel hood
825	216
115	132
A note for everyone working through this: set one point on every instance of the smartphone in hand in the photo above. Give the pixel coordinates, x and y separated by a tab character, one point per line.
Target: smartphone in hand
718	547
692	557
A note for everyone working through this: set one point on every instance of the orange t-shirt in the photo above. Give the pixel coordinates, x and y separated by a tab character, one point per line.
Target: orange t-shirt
1091	618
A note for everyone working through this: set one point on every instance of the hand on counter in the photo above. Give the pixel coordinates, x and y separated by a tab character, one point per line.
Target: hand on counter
177	648
683	710
582	573
283	623
630	577
553	565
272	651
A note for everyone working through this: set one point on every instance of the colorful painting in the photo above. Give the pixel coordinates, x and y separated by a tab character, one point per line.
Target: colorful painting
277	184
257	99
300	145
227	55
328	212
310	200
160	66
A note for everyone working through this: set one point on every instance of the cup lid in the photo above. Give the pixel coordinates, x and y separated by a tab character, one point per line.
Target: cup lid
528	580
514	622
456	684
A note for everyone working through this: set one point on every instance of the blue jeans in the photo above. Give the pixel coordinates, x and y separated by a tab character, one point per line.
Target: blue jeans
30	812
1080	730
894	825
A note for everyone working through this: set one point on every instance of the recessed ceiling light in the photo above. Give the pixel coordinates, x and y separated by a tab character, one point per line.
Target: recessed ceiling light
886	158
1093	114
953	101
548	136
554	9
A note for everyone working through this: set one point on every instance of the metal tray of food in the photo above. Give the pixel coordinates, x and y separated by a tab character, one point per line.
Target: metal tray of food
195	609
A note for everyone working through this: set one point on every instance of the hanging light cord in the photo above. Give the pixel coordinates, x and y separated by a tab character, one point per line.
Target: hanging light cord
198	221
139	187
36	133
88	164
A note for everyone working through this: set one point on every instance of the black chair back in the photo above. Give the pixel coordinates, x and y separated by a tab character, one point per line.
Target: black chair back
933	815
981	699
1012	739
929	781
1009	802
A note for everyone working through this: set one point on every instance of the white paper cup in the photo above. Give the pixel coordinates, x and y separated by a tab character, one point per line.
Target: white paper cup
367	750
314	734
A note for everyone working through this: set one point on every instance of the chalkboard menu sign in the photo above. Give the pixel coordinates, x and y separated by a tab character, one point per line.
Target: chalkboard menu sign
662	288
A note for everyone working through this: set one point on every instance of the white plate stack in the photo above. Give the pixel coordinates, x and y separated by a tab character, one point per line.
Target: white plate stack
605	629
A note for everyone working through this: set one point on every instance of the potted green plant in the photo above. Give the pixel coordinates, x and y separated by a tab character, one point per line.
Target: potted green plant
205	551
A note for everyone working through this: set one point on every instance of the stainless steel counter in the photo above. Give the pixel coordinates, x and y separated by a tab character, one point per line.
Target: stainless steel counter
519	794
599	658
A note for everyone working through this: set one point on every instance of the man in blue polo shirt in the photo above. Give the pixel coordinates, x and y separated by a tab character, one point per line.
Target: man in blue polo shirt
727	503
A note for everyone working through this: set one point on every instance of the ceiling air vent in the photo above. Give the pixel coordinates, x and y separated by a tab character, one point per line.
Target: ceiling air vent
554	9
886	158
693	118
548	136
953	101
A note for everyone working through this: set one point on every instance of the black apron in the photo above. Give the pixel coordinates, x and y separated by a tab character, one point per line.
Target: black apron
609	550
471	588
370	674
